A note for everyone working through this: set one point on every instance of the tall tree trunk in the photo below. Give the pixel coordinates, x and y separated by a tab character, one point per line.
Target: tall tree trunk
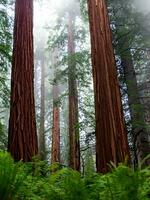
111	139
74	155
140	135
65	134
143	142
22	138
55	157
42	149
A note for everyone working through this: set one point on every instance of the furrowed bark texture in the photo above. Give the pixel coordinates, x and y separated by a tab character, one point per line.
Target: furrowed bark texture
42	149
22	139
74	155
55	155
111	139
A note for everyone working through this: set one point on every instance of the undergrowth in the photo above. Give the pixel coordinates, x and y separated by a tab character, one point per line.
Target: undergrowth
39	181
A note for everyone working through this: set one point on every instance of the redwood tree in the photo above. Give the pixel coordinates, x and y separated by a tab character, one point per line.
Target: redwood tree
42	149
74	155
141	142
22	138
136	89
111	139
55	155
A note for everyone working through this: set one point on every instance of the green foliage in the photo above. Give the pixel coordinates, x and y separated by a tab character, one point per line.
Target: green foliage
5	51
3	137
70	184
123	183
64	184
20	182
84	9
11	176
89	163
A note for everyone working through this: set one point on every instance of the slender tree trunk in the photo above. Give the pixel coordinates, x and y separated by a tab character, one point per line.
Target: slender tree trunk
136	108
55	157
143	142
65	134
56	126
74	156
42	149
111	139
22	138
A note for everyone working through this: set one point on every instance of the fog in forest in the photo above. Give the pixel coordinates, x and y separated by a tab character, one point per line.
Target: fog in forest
64	83
142	6
47	15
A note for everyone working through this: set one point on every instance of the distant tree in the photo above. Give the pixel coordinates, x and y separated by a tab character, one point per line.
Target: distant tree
74	66
42	148
22	138
130	36
55	153
111	139
74	154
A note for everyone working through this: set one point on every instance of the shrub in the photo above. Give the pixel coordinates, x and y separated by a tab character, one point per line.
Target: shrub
10	178
39	181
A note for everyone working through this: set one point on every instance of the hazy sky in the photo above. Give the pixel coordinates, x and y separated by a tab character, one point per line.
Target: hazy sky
142	5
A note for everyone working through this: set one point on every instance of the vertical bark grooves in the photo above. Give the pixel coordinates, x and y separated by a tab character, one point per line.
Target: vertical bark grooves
42	149
111	139
55	155
22	138
74	155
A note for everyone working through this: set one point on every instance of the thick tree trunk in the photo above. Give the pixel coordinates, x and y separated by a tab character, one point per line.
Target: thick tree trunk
42	149
55	153
140	135
74	155
22	138
111	139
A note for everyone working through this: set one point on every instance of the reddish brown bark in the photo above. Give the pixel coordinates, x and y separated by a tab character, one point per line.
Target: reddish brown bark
42	113
22	138
111	139
55	154
56	127
74	155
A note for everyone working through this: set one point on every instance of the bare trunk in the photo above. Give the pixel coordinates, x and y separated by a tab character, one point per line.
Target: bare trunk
111	139
65	134
22	138
55	156
74	156
140	135
56	126
42	149
143	141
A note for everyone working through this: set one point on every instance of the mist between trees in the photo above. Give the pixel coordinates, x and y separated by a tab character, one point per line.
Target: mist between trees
81	96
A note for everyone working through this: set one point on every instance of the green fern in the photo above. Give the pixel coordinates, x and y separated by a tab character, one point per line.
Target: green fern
28	182
10	178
